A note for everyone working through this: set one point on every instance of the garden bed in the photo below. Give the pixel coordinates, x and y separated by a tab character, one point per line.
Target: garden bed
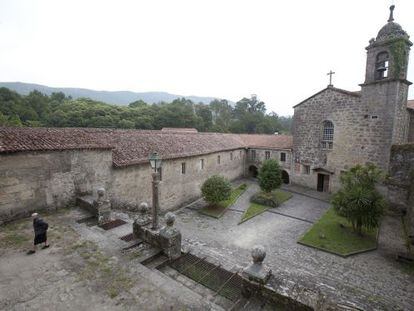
255	209
332	233
218	211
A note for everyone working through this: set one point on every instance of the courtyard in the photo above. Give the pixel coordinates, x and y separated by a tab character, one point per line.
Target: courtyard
365	275
87	268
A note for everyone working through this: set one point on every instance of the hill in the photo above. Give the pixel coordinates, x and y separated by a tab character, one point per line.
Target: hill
110	97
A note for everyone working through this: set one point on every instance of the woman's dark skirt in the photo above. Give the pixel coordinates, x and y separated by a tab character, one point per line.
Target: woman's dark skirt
40	238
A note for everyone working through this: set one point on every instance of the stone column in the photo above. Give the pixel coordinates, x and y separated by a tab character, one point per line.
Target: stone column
103	207
155	200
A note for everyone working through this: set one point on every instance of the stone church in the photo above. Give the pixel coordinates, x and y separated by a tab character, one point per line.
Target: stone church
336	129
333	130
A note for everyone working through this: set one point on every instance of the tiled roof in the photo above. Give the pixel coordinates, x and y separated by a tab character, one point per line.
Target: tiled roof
133	146
268	141
410	104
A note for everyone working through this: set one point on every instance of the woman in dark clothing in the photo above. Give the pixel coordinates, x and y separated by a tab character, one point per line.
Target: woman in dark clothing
40	229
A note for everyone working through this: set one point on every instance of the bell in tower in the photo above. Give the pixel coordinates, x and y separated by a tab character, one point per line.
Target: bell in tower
387	54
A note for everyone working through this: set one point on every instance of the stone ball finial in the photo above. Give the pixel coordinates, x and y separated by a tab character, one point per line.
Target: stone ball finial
143	207
101	191
258	254
169	219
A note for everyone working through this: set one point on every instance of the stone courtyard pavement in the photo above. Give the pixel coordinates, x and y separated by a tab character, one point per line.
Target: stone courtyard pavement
84	269
369	277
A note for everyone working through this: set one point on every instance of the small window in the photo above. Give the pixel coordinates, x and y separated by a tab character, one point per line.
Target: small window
267	155
241	153
218	160
231	156
282	157
374	117
183	168
159	170
253	155
306	169
202	164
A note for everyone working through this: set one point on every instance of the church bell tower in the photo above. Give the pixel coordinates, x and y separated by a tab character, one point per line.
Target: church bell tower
385	90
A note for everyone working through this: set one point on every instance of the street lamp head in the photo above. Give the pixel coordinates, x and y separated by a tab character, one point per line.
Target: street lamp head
155	161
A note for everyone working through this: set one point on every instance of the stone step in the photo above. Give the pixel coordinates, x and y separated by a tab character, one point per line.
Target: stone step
157	261
147	255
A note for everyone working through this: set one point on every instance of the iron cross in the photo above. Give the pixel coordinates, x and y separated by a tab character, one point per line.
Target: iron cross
330	73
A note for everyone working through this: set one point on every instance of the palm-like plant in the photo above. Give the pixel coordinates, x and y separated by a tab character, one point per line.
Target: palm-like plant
358	200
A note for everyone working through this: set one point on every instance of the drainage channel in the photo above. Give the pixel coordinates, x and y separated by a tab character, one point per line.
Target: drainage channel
221	286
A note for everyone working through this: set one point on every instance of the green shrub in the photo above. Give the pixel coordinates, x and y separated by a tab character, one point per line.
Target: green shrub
242	187
265	198
358	200
270	175
216	189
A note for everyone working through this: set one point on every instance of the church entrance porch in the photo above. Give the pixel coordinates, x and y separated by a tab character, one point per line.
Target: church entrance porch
323	183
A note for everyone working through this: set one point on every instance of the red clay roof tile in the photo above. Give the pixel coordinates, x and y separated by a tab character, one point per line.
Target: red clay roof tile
133	146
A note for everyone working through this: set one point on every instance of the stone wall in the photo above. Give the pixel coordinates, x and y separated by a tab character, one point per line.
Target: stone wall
401	181
132	185
33	181
260	156
411	127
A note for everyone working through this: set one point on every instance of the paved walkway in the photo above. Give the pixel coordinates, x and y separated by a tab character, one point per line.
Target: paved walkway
371	278
322	196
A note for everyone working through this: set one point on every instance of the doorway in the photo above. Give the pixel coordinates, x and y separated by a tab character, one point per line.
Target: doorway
285	177
253	172
323	183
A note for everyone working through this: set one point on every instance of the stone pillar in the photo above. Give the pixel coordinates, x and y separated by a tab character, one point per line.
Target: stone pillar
142	220
256	274
103	206
170	238
155	200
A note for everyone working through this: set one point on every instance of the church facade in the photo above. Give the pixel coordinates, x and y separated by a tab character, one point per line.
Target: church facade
336	129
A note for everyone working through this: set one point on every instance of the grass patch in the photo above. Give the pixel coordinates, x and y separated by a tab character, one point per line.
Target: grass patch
282	196
253	210
218	211
333	233
271	199
264	202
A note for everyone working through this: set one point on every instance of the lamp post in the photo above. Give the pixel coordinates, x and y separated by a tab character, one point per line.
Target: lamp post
155	162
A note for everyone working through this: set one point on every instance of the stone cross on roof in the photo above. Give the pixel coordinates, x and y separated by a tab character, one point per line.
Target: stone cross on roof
330	73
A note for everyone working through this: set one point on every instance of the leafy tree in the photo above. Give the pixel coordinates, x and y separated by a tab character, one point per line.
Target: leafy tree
216	189
270	175
205	115
137	104
14	120
59	110
3	120
358	200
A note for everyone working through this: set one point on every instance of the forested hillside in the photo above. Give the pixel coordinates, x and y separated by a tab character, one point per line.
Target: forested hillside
57	110
122	98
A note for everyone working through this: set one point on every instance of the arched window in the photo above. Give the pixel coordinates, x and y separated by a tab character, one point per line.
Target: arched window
381	66
327	135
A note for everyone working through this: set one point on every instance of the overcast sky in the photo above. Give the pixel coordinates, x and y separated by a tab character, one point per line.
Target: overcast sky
280	51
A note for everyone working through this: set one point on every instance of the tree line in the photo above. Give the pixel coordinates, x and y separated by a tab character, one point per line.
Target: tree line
248	115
